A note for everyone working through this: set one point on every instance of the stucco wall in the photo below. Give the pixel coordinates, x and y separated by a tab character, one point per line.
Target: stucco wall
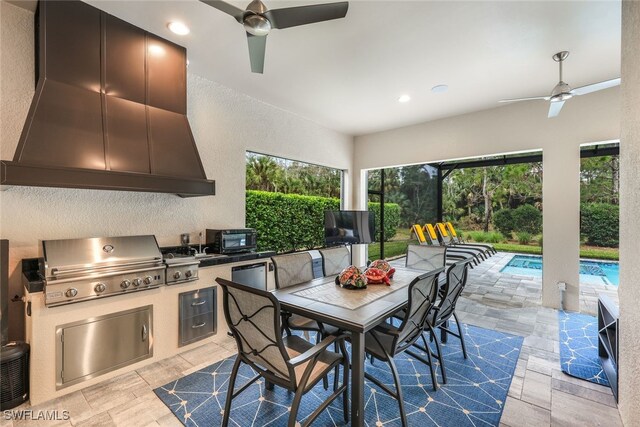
225	124
629	289
515	127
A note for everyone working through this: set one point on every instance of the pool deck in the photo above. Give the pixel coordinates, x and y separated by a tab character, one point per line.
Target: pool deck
493	288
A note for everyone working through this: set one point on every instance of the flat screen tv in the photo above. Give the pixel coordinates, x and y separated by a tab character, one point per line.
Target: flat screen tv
348	227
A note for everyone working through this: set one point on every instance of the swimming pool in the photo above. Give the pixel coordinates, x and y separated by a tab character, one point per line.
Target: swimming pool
591	272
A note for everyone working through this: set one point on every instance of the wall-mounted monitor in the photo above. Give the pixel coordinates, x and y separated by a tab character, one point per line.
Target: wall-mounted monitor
348	227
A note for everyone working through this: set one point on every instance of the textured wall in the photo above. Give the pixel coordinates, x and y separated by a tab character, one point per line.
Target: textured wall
629	289
224	123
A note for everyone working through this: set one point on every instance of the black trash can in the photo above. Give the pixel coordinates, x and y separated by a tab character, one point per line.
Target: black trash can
15	374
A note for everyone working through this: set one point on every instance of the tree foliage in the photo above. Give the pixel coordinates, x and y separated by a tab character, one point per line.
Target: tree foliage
266	173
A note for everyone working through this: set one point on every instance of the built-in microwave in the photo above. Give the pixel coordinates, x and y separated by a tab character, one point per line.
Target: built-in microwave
232	241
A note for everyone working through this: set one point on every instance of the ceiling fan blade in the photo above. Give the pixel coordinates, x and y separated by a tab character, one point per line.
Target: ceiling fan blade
546	98
596	86
554	108
227	8
301	15
257	46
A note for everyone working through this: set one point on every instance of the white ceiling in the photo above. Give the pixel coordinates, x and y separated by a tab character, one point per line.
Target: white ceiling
347	74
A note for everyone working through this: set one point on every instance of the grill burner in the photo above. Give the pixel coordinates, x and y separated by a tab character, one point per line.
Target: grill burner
84	269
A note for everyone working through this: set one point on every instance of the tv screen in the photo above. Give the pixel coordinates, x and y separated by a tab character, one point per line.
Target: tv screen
348	227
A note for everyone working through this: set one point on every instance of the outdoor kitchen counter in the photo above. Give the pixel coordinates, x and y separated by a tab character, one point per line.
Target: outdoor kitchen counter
41	325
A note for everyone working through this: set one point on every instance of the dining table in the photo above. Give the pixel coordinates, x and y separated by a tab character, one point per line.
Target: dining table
355	311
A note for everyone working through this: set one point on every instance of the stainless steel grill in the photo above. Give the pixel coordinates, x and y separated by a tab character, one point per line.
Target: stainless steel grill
82	269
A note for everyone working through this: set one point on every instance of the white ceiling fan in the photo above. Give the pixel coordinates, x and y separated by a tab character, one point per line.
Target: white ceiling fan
563	92
258	21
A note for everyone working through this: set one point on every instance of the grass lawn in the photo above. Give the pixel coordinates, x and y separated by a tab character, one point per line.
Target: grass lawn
398	246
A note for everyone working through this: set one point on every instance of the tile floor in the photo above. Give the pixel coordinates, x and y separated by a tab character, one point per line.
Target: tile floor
540	394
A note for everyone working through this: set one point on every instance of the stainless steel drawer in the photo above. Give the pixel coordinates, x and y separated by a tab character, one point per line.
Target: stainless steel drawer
196	328
197	302
94	346
197	315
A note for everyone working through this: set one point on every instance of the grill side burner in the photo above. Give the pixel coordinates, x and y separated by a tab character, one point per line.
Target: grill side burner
84	269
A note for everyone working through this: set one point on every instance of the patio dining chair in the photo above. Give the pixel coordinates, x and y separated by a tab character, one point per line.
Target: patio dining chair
253	315
291	270
334	260
441	313
386	341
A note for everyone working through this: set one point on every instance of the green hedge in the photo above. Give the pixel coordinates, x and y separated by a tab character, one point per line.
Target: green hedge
503	221
391	218
527	218
289	222
600	224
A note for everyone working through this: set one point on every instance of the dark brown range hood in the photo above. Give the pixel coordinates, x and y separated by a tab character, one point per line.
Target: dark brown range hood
109	111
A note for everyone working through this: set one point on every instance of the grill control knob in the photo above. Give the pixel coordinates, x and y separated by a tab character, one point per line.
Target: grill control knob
188	273
125	284
71	292
148	280
177	275
100	287
137	282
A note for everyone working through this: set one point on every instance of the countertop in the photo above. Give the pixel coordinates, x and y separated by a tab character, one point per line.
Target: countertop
33	282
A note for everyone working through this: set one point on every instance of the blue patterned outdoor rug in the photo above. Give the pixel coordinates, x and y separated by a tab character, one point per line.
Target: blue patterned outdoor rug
474	395
579	347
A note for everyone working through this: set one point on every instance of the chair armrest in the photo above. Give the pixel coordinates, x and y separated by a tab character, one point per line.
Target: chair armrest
387	329
316	350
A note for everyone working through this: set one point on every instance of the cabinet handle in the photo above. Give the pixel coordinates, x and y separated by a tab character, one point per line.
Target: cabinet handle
195	304
198	326
144	332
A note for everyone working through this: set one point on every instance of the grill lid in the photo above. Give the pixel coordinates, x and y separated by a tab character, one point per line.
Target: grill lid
81	256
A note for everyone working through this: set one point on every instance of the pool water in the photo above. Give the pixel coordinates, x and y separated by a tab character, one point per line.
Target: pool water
591	272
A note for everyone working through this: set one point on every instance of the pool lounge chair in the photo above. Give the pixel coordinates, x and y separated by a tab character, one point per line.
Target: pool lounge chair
432	237
418	231
458	240
448	239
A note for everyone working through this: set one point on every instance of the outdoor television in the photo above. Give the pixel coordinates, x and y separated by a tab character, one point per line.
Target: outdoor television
348	227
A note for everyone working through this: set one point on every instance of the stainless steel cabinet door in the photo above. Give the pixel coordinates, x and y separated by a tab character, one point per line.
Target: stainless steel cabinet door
102	344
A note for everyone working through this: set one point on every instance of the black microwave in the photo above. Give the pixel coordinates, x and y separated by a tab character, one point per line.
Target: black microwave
232	241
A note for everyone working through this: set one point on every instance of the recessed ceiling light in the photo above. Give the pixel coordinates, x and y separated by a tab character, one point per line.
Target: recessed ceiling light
440	89
404	98
178	28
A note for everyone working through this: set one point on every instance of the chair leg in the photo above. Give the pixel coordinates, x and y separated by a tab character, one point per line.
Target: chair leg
268	385
440	358
294	407
336	371
443	332
232	383
325	380
396	379
464	348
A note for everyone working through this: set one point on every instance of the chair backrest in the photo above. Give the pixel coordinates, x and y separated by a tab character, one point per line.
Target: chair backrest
432	235
334	260
417	230
422	295
292	269
453	233
456	281
426	258
253	316
443	233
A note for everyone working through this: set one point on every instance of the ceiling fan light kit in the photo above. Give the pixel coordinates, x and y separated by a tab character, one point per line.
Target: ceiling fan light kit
563	92
258	21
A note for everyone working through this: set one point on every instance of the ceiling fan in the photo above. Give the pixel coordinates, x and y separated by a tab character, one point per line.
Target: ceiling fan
562	91
258	21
